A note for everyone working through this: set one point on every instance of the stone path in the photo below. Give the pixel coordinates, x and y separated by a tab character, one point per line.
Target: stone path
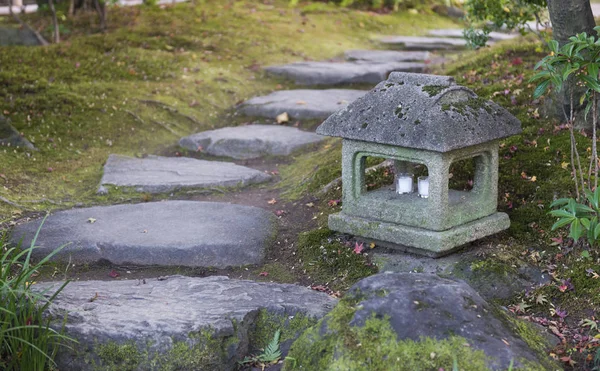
161	316
424	43
155	174
458	33
300	104
334	73
382	56
250	141
170	233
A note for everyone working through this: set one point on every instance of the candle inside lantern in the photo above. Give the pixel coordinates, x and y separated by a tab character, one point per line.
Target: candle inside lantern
423	186
405	183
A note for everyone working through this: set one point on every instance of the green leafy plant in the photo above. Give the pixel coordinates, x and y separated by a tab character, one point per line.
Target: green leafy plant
27	342
573	69
270	355
495	14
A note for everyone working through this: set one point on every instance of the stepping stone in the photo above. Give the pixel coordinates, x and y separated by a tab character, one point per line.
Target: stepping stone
178	323
424	43
170	233
458	33
155	174
334	73
380	56
250	141
301	104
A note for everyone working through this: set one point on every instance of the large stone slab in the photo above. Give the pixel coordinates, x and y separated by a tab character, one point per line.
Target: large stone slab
424	42
382	315
301	104
336	73
458	33
178	323
170	233
9	136
155	174
379	56
250	141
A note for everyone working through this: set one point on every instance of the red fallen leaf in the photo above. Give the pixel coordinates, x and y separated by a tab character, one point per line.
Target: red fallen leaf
113	274
513	149
517	61
263	274
77	65
50	169
358	248
333	203
279	212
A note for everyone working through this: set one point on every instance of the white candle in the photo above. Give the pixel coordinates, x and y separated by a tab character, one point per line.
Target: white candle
424	186
405	183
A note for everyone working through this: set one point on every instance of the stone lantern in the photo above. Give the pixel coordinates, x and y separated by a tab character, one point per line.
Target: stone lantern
428	120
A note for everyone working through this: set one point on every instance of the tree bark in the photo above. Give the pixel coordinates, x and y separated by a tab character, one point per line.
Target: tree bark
54	22
569	18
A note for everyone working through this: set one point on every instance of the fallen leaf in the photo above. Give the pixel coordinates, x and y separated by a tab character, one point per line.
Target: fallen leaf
279	212
272	201
533	178
310	204
282	118
358	248
263	274
564	165
372	245
113	274
333	203
301	103
91	220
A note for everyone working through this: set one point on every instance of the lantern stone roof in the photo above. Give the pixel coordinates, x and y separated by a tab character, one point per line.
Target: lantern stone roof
423	112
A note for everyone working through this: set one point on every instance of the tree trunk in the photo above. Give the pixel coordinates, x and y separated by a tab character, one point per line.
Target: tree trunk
569	18
54	21
101	10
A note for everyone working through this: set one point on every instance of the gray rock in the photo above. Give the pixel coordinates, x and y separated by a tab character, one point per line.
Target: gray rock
9	136
213	318
10	36
415	306
156	174
250	141
458	33
171	233
423	42
334	73
449	11
422	112
301	104
383	56
491	277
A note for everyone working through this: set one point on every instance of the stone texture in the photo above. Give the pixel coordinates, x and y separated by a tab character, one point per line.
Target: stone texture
170	233
9	136
333	73
384	56
423	112
416	306
250	141
156	174
155	315
492	277
458	33
300	104
10	36
424	43
419	240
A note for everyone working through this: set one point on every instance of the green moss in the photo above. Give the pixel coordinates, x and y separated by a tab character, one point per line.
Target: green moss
201	351
266	323
374	346
470	106
119	357
330	262
433	90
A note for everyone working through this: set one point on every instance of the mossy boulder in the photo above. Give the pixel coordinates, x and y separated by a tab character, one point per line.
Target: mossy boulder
415	321
9	136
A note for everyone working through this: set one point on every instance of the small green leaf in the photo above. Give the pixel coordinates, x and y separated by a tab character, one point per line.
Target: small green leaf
561	223
560	213
559	202
575	230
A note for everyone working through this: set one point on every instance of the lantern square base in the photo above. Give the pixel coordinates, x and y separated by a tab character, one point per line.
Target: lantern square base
418	240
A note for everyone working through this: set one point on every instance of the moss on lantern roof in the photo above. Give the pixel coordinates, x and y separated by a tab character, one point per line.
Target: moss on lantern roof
423	112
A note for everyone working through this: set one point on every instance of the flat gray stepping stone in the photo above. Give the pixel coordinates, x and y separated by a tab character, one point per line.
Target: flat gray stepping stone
301	104
195	323
424	42
250	141
170	233
386	55
334	73
458	33
156	174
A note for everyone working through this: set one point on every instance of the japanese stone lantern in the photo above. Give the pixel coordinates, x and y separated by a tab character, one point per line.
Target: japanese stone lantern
428	120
